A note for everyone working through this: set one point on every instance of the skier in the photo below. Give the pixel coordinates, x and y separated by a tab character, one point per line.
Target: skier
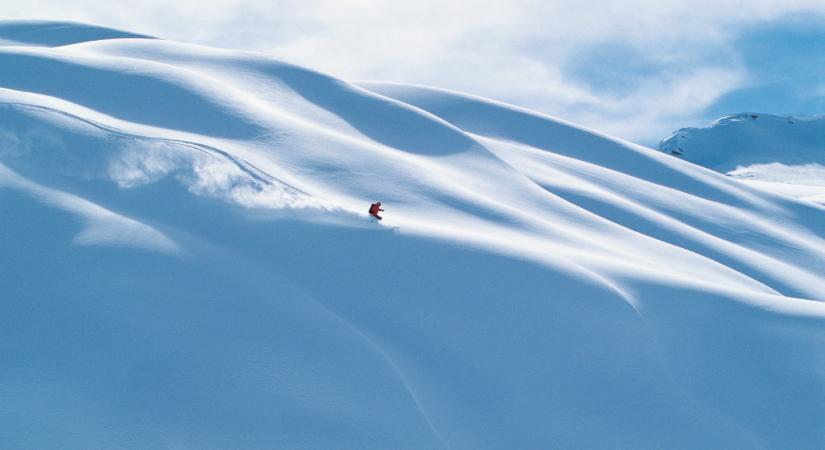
375	208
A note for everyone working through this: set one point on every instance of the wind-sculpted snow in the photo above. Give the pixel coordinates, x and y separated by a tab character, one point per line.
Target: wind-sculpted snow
100	226
136	91
187	262
54	34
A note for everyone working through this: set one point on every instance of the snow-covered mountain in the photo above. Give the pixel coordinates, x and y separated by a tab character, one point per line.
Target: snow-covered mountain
188	263
783	154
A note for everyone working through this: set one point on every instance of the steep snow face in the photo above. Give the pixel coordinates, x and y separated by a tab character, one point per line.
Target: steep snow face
779	154
188	262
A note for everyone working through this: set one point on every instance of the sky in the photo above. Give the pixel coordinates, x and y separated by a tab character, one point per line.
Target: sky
637	69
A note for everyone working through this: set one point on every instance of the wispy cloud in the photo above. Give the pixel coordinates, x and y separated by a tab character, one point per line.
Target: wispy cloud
636	69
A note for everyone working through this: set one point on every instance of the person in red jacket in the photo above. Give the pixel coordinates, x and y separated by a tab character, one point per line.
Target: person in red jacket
375	208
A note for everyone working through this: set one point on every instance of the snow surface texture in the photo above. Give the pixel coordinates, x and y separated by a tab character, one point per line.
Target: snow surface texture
785	155
187	263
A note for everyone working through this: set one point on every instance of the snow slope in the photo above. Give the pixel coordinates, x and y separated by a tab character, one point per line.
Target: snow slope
54	34
188	263
785	155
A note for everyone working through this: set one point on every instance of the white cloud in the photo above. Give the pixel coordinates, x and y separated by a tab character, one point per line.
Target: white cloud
514	50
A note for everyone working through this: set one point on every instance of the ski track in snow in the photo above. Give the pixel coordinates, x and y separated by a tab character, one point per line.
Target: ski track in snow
534	284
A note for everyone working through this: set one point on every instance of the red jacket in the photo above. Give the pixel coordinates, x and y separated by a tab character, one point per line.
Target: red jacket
375	208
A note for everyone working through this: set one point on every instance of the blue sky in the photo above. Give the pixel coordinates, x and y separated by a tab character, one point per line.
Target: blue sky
782	63
635	69
786	67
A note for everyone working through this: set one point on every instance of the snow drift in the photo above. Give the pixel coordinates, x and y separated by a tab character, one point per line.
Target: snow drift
187	262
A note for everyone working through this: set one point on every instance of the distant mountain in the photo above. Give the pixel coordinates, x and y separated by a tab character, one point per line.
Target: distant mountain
784	154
